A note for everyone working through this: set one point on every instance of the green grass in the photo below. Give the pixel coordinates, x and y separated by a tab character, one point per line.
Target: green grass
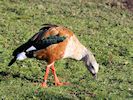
107	31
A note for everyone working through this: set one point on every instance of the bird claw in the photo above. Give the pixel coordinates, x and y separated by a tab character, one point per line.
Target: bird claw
61	83
44	85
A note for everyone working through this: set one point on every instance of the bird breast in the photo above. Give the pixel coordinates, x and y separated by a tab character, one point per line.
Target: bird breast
74	49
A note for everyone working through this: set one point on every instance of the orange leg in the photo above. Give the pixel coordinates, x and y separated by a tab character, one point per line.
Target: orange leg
44	83
57	82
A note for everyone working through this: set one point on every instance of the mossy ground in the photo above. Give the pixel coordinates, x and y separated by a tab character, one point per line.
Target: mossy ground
107	31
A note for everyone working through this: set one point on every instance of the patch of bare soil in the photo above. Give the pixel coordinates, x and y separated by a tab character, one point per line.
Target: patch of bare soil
128	4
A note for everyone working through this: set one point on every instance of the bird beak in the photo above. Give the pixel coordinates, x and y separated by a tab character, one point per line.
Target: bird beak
95	76
92	72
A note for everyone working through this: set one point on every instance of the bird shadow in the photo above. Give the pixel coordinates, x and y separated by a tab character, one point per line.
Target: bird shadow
50	95
4	75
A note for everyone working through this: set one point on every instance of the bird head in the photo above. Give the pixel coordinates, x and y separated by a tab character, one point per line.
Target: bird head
91	64
93	67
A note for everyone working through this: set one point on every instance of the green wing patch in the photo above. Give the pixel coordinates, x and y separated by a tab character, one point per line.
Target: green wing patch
49	41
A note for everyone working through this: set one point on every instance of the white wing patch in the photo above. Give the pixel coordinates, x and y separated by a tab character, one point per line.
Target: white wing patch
22	55
31	48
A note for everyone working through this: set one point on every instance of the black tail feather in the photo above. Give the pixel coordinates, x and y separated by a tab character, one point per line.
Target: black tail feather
12	61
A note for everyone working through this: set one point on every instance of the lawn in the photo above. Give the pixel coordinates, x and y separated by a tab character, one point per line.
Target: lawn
106	30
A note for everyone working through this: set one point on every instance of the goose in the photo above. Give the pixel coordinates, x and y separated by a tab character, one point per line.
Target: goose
52	43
